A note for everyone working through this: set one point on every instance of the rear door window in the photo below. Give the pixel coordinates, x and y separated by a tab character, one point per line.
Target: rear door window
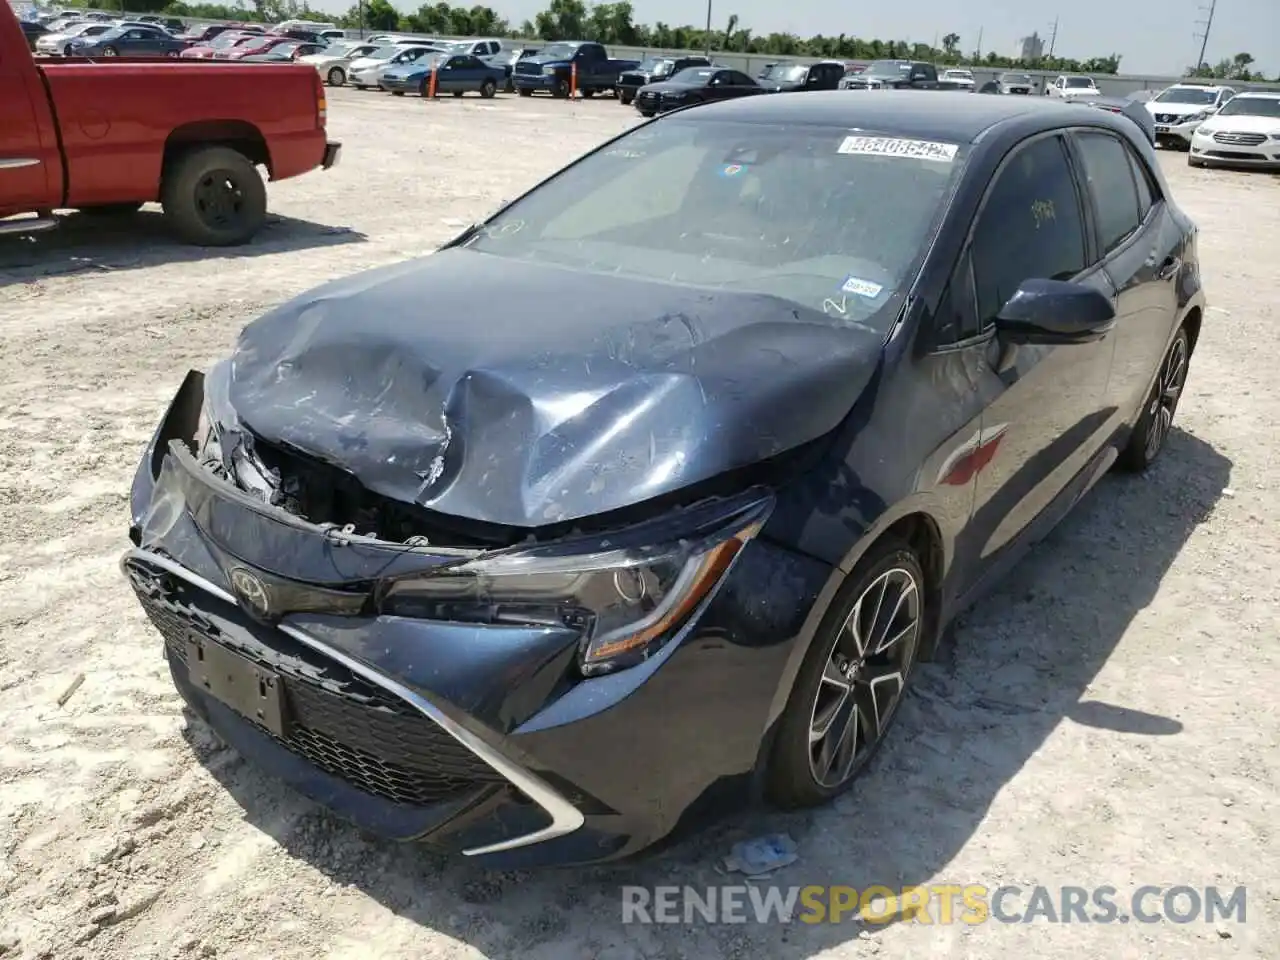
1109	174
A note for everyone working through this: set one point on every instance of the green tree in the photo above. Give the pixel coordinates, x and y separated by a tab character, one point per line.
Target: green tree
951	44
563	20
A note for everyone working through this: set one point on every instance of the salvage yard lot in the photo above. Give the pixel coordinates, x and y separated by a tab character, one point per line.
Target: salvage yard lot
1108	718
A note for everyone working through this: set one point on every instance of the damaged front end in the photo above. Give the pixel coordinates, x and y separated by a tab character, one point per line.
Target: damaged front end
384	659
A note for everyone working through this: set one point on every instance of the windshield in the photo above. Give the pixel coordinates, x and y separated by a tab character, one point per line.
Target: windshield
339	49
1079	83
888	68
1251	107
558	51
384	53
654	65
693	75
226	39
1194	95
1016	78
958	75
786	72
808	213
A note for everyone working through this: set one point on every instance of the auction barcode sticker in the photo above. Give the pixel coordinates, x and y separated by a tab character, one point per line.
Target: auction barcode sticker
897	147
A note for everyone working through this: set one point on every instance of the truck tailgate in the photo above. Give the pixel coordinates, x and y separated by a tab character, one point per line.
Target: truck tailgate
116	118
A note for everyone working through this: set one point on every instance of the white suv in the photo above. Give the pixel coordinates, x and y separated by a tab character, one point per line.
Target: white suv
1181	108
1072	88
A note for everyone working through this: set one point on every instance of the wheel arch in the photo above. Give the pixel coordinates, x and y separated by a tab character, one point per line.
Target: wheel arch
238	135
1192	323
914	524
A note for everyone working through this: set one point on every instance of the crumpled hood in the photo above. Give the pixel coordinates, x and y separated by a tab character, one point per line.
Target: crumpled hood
521	394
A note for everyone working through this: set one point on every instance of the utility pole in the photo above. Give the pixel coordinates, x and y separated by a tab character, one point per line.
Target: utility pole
978	53
1053	38
708	29
1207	23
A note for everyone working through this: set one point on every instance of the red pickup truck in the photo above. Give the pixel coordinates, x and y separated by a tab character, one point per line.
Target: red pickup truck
107	137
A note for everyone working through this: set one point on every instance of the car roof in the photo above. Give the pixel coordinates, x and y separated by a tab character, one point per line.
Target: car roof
954	117
1259	95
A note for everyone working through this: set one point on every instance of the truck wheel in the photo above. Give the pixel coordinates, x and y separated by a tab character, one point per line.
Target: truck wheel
524	92
337	77
457	93
111	209
624	99
397	93
214	197
588	93
488	89
560	89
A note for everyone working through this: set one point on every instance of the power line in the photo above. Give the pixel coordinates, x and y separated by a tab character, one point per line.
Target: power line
1207	23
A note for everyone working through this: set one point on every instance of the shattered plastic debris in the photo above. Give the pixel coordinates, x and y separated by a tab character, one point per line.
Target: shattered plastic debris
762	856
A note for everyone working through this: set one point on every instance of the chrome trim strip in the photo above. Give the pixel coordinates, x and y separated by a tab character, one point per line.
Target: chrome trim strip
565	818
17	163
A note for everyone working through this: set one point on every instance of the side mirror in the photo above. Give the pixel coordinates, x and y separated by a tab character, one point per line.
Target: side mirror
1054	312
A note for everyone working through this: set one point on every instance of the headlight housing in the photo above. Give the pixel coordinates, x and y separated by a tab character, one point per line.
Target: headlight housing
1200	117
548	71
626	594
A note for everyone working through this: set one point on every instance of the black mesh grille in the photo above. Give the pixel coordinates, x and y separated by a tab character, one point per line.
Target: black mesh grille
337	721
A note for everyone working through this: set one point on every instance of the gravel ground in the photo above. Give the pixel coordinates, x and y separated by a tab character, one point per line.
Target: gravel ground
1108	718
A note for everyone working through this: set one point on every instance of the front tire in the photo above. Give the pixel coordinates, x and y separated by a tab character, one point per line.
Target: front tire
852	680
524	91
560	89
337	77
488	89
1193	162
625	99
110	52
214	197
1156	421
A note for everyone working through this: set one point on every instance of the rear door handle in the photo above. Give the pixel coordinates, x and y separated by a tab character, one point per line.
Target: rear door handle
1170	266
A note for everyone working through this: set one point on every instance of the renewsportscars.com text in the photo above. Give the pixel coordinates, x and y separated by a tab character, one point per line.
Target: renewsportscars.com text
934	904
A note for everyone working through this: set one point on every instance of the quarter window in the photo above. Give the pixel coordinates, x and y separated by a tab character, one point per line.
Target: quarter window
1109	173
1146	193
1030	226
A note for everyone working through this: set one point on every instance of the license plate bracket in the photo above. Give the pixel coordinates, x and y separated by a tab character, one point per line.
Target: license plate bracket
251	690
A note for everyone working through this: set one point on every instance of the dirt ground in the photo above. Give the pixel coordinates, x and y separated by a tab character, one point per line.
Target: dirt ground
1108	718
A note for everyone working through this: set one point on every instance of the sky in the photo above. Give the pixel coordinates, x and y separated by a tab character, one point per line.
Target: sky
1153	36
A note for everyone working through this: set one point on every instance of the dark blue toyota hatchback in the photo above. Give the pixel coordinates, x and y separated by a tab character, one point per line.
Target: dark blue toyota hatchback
647	494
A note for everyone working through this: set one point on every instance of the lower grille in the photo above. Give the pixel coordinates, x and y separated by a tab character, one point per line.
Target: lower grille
1241	139
1166	118
337	721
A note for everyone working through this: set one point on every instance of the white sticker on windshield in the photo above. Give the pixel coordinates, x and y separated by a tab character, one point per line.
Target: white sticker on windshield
861	288
897	147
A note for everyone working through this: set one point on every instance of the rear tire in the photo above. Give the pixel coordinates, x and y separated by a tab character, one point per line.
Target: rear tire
524	91
646	113
337	77
214	197
457	93
488	89
424	89
560	89
625	99
853	678
1156	420
110	52
397	93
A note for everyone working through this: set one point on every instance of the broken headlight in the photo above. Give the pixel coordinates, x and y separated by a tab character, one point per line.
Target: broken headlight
625	596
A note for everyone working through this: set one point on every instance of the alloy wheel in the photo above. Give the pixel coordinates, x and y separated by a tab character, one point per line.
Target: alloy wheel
1164	399
865	676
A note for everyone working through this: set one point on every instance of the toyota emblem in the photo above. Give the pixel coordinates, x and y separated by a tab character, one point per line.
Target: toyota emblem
251	590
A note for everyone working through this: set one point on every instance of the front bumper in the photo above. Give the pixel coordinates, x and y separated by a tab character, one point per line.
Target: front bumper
1263	156
526	81
477	739
1176	133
